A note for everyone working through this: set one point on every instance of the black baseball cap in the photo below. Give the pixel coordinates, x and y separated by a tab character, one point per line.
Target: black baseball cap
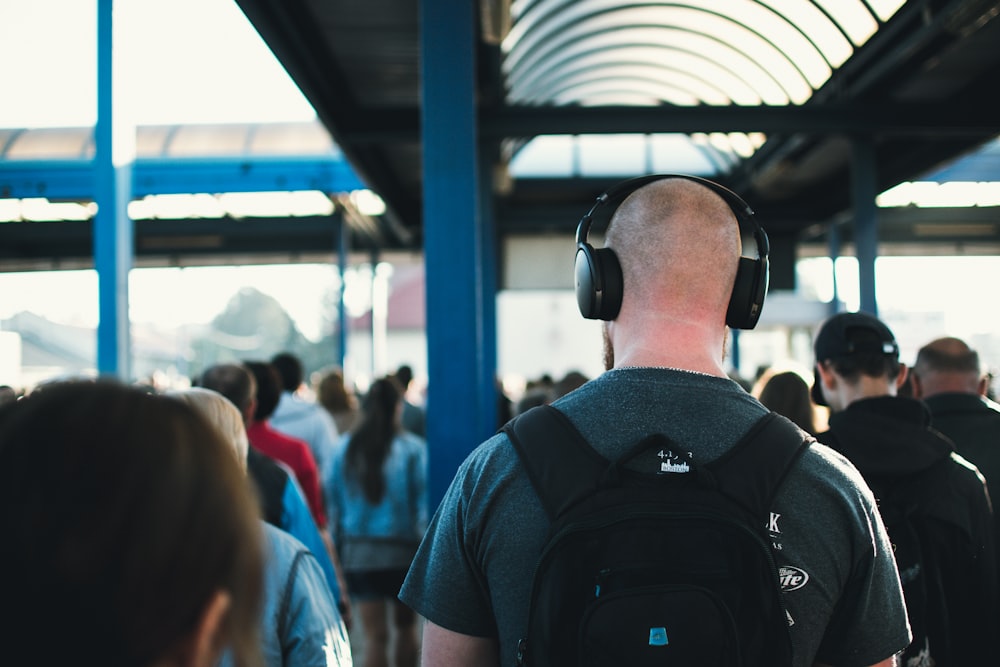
837	339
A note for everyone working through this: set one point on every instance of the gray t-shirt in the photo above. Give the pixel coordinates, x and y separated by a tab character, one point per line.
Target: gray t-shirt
473	572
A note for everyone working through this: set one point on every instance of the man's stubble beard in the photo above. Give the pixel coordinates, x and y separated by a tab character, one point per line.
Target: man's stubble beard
609	352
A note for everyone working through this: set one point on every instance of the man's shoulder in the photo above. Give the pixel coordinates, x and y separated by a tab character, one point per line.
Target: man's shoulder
823	470
964	474
493	453
963	405
291	407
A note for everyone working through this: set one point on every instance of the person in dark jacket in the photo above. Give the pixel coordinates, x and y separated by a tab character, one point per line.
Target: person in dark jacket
951	586
948	378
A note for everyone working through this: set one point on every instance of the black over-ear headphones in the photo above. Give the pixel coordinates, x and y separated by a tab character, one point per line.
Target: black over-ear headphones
599	275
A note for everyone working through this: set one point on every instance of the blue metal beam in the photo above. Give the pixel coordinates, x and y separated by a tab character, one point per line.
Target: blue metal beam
863	192
177	176
113	233
453	243
73	180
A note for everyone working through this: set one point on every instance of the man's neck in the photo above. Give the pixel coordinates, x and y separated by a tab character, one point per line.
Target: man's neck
867	387
677	350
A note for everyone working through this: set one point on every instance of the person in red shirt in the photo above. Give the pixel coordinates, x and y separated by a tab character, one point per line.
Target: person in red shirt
293	452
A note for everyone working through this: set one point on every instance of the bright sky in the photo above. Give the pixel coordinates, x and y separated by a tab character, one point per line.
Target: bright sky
188	61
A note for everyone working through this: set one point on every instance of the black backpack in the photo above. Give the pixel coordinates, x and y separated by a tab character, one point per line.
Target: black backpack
669	568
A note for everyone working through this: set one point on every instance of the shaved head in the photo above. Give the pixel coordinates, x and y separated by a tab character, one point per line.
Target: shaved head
947	365
678	243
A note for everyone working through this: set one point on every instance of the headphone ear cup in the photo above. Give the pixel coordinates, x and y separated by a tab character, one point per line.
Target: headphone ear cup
598	282
749	290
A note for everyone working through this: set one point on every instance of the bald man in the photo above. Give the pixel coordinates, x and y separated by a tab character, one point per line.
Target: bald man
678	243
948	377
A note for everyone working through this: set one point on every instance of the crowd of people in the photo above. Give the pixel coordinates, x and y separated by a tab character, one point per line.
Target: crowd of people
261	517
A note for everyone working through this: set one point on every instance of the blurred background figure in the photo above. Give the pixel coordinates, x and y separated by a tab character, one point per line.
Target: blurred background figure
300	625
537	391
413	414
7	394
130	536
300	418
788	394
378	508
571	381
332	394
948	378
293	452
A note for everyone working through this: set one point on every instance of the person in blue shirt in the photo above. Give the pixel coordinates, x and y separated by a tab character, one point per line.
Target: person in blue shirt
378	510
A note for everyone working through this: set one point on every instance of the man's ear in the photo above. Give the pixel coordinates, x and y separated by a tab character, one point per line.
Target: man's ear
203	647
901	378
984	386
249	411
826	374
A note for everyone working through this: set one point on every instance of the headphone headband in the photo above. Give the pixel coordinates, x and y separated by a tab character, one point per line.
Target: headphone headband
598	273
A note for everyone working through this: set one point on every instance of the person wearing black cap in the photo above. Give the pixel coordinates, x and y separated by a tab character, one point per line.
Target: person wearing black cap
934	503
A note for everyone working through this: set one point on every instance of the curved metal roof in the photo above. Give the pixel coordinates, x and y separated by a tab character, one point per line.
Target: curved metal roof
699	52
765	95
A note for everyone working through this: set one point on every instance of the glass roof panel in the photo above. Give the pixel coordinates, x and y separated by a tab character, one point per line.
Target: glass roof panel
686	52
720	29
885	9
659	44
815	26
533	89
796	42
549	155
853	17
780	33
615	90
621	97
615	155
650	76
612	154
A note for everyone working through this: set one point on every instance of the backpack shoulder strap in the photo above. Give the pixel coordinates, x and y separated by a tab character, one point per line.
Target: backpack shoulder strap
562	467
751	472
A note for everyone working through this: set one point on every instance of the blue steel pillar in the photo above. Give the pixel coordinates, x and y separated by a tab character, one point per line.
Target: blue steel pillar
863	192
833	248
734	349
343	241
460	371
113	235
489	274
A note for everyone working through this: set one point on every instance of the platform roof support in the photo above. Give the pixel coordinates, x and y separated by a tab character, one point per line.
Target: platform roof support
113	235
460	369
864	189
